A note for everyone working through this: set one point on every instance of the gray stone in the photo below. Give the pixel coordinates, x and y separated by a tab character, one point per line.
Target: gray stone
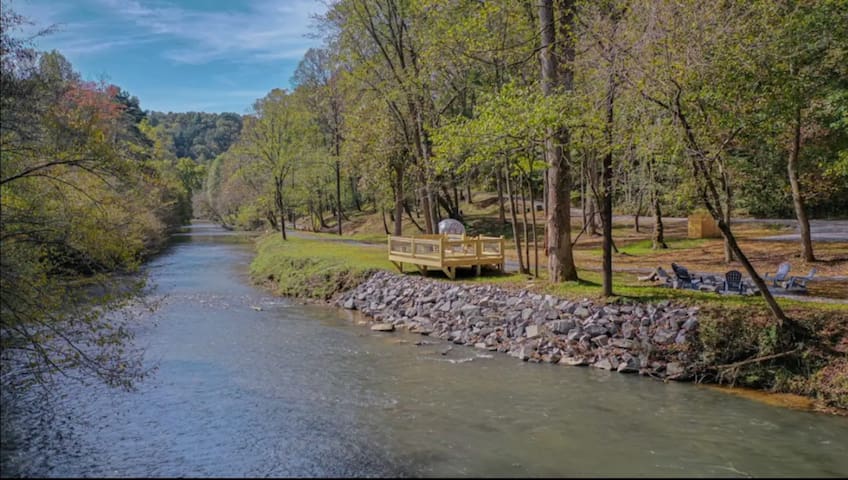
531	331
574	361
603	364
627	330
561	326
582	312
631	365
551	358
623	343
383	327
594	329
601	340
349	304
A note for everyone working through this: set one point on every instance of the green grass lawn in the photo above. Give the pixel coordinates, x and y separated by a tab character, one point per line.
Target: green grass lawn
313	268
644	247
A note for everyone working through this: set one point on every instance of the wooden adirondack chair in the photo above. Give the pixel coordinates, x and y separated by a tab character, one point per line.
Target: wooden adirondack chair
684	279
733	282
800	282
780	276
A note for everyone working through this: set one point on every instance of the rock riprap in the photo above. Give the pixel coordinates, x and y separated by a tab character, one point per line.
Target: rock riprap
646	338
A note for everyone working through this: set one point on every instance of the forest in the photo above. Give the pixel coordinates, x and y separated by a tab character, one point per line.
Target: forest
636	107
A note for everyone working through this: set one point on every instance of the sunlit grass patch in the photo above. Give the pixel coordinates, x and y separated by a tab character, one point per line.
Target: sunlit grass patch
313	268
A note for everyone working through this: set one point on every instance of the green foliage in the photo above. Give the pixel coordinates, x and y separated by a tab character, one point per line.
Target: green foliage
200	136
82	200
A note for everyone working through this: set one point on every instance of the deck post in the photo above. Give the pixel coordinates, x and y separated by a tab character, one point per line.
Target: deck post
503	255
478	251
442	250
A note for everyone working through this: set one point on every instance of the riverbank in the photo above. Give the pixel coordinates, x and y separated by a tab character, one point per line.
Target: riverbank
643	330
627	337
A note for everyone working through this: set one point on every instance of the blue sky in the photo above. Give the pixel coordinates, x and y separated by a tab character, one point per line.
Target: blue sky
181	55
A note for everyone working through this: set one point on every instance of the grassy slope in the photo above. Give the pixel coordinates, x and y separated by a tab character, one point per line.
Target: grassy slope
313	268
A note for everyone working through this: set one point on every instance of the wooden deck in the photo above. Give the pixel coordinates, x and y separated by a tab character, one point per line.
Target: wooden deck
446	252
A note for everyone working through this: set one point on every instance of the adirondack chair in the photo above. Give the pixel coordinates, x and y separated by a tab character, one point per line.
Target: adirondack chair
780	276
733	282
684	279
800	282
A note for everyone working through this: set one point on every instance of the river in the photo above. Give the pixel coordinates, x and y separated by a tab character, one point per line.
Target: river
297	390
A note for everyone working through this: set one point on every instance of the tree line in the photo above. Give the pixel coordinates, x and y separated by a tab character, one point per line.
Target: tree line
86	195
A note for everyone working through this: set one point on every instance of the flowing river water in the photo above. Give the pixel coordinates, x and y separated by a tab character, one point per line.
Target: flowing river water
294	390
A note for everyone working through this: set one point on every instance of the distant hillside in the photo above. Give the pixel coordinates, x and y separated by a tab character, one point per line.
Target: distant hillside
200	136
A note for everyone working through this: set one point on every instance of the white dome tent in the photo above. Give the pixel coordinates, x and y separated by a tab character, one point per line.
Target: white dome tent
451	227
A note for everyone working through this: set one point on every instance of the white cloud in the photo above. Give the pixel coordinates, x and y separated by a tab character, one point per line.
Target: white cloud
81	46
266	31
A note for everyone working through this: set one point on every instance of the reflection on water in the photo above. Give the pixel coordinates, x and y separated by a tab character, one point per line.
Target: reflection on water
294	390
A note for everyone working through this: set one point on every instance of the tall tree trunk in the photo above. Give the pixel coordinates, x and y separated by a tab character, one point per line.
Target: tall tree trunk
584	192
411	219
468	194
638	209
557	152
434	210
355	194
383	216
526	222
456	200
338	191
501	210
398	201
281	208
427	207
728	249
272	218
593	216
533	217
728	208
545	207
515	235
606	216
658	238
797	198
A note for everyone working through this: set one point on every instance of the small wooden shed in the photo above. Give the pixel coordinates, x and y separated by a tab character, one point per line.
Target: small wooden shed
703	225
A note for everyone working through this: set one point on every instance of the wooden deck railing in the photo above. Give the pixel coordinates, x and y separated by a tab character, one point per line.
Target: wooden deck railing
446	252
